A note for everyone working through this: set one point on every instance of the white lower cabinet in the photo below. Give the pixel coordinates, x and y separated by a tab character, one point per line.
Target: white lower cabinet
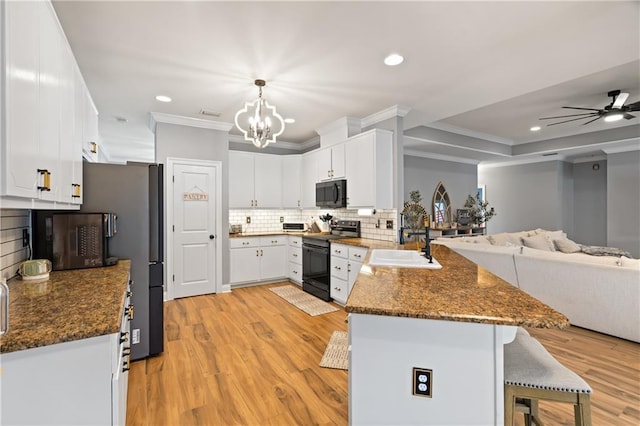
295	259
346	262
255	259
74	383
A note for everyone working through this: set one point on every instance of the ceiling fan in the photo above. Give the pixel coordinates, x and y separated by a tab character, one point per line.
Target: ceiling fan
615	111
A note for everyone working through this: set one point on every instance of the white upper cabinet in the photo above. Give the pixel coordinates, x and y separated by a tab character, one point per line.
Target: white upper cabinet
255	180
309	178
331	162
21	107
369	169
41	161
291	182
268	181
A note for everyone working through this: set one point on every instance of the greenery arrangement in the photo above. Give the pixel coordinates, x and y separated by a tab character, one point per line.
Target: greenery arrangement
414	212
479	210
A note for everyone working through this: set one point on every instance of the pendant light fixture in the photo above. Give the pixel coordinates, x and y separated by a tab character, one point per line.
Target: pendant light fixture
259	121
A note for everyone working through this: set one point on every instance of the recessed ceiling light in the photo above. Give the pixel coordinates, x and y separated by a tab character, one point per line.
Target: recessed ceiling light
163	98
393	60
289	120
535	128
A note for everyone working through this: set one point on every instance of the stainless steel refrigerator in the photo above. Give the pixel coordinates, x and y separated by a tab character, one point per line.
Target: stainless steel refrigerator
135	193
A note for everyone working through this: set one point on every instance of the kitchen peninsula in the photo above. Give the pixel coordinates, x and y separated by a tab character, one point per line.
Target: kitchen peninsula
453	322
64	358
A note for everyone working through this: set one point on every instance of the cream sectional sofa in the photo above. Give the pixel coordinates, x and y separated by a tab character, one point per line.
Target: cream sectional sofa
600	293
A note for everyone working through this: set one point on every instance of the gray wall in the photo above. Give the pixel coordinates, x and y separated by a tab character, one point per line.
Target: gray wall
423	174
178	141
590	203
623	199
527	196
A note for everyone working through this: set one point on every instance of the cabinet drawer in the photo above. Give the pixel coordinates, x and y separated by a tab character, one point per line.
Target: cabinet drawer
357	254
295	254
276	240
295	241
339	291
339	267
243	242
339	250
295	272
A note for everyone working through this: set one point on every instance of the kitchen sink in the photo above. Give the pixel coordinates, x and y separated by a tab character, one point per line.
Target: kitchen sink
401	259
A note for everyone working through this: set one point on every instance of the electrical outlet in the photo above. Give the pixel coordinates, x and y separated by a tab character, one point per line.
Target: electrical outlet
390	224
281	219
135	339
25	237
422	382
248	219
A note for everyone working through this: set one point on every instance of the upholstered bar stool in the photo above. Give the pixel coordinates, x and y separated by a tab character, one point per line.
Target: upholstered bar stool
532	374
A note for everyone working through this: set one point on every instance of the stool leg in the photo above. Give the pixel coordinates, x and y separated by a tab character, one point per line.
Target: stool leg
534	412
509	405
582	410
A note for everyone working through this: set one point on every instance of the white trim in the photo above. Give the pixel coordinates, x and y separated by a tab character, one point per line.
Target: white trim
466	132
341	123
592	159
633	145
462	147
160	117
422	154
168	214
393	111
537	159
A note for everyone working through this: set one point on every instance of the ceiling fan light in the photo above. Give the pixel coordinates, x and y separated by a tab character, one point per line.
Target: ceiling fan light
535	128
615	116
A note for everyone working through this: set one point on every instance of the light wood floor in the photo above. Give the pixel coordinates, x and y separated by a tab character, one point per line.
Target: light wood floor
248	357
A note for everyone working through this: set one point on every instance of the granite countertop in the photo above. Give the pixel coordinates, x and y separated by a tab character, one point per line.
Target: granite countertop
70	305
460	291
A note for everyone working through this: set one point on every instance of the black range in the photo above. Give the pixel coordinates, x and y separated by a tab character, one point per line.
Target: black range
316	257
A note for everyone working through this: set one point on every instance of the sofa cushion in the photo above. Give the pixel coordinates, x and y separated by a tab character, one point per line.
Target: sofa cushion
565	245
482	240
627	262
505	239
538	242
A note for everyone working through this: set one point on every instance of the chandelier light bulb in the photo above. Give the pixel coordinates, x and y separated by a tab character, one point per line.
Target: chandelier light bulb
261	131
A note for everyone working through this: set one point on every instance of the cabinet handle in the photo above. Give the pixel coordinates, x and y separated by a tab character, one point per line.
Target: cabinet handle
126	352
124	337
295	272
257	253
129	293
337	267
295	254
337	251
75	190
256	203
125	366
129	312
357	255
261	253
46	180
298	203
337	288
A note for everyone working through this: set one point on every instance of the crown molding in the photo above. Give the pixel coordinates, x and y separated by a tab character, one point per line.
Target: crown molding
385	114
422	154
276	144
159	117
627	146
339	124
521	161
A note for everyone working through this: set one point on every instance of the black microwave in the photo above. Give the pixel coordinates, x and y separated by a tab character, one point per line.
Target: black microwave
331	194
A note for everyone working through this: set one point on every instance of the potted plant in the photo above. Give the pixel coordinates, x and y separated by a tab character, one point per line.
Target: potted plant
414	215
479	211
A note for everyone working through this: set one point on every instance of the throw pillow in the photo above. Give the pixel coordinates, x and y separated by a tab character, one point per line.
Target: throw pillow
505	239
565	245
538	242
605	251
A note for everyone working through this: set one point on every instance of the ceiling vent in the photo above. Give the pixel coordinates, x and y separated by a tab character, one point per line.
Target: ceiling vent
209	113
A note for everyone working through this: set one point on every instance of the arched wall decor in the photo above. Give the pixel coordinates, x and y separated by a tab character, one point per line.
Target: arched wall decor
441	205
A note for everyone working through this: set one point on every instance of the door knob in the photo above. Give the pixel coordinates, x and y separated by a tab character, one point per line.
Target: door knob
211	237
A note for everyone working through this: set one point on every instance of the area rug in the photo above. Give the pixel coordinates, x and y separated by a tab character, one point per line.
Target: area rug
337	353
303	301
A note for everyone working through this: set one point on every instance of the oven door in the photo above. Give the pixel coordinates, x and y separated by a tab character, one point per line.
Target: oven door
315	270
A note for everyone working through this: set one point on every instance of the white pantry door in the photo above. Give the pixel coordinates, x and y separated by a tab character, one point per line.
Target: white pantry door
196	212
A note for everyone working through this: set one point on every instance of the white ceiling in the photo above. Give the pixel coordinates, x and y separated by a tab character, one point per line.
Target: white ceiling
487	70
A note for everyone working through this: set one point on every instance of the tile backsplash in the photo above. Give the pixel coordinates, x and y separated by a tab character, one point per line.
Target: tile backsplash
12	251
269	220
